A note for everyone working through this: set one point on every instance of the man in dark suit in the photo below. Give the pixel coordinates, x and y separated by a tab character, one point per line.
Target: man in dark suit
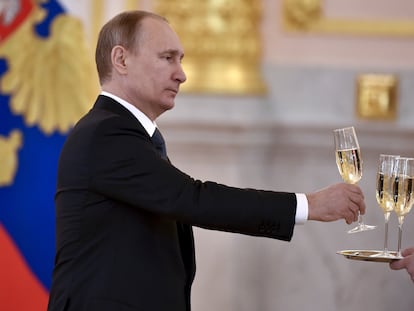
124	212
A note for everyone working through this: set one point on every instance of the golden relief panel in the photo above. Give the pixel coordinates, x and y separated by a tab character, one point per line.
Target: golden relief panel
222	44
308	16
376	96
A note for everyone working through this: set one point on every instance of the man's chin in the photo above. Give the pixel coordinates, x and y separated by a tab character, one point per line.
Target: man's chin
168	105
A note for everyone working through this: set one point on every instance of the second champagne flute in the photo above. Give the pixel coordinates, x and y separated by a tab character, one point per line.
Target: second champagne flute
349	162
384	194
403	189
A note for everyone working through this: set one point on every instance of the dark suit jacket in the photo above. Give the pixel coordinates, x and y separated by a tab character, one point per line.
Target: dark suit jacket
124	217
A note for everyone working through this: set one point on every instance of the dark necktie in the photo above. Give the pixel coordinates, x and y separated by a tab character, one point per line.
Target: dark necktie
159	143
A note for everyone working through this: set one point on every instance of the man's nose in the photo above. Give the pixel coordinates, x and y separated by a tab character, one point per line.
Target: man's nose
180	75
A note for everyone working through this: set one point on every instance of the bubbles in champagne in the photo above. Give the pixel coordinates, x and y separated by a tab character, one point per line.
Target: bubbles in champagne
403	188
384	192
349	164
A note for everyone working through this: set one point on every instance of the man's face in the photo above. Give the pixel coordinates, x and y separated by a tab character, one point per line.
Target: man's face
154	69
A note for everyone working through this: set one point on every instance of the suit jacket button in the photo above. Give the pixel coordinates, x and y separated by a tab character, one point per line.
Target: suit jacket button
262	228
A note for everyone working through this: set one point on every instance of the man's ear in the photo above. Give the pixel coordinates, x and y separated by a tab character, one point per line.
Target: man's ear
118	56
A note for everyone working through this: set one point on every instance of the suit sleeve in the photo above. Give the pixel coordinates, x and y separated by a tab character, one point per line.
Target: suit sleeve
126	168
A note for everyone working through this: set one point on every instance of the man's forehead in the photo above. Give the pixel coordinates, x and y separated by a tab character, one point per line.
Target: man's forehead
159	33
152	28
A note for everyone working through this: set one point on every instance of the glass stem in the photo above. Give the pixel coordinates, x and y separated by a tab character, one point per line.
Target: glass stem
361	224
387	217
400	224
360	221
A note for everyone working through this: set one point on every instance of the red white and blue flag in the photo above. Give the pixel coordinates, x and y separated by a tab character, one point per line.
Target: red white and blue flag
45	87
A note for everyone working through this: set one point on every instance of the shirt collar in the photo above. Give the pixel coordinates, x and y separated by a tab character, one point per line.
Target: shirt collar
146	122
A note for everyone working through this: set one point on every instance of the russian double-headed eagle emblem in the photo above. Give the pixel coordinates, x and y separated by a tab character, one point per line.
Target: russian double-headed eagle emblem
50	78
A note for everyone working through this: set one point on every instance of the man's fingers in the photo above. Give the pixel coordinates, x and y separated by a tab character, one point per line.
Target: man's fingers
357	197
351	215
408	251
398	264
358	203
353	210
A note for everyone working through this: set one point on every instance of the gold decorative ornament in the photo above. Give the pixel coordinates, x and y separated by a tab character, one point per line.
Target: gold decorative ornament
308	16
222	44
302	12
377	96
9	147
51	80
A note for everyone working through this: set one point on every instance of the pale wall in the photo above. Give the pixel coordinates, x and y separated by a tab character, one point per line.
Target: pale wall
336	50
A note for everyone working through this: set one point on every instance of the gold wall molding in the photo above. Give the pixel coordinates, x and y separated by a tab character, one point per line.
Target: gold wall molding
308	16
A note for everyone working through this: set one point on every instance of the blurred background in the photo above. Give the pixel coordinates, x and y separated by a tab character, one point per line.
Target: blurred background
268	81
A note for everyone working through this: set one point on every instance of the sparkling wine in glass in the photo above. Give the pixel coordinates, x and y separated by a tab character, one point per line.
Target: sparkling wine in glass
403	188
349	162
384	194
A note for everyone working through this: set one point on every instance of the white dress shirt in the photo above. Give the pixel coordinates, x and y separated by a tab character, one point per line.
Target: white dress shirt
150	126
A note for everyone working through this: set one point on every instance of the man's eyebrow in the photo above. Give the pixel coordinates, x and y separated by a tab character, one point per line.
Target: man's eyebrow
172	52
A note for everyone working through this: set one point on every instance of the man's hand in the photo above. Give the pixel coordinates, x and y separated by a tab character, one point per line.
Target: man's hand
406	263
339	201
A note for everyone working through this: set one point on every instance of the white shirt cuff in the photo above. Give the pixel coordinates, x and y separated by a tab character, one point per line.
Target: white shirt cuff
301	209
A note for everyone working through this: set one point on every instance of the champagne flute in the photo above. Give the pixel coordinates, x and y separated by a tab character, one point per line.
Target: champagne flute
384	194
349	162
403	187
